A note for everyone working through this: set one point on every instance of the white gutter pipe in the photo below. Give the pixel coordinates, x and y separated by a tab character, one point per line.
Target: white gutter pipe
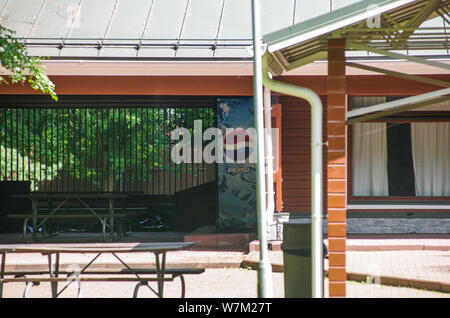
316	169
269	155
265	289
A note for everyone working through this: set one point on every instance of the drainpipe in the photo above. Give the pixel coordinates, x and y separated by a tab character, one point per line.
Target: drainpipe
265	289
316	169
269	156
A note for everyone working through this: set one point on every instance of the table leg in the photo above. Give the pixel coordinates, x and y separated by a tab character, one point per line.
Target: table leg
2	273
34	208
53	273
111	211
160	270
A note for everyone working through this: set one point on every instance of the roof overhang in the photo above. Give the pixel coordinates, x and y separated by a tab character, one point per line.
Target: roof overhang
110	67
380	27
399	20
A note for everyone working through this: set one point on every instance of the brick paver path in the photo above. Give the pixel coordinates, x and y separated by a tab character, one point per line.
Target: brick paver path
217	283
430	265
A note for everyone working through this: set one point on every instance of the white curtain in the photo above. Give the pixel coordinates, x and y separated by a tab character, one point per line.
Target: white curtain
369	164
431	156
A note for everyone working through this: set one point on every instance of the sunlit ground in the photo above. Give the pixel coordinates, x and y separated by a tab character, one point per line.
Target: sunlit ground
216	283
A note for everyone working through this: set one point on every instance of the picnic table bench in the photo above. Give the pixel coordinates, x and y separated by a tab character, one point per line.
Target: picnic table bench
158	274
61	211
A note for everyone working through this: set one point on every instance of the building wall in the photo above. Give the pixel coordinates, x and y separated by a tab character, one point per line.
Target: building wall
295	127
296	154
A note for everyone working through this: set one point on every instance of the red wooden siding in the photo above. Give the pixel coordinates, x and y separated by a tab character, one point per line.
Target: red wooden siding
296	150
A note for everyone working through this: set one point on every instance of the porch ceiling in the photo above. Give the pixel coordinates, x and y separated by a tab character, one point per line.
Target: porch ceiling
398	29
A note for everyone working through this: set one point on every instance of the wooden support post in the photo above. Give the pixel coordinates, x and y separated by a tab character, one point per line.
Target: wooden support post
336	167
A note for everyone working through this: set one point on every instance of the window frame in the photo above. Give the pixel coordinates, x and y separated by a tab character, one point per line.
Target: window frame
406	117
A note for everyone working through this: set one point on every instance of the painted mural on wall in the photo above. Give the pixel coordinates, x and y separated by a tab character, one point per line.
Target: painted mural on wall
236	181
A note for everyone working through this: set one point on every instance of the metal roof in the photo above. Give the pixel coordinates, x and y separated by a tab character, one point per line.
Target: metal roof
145	28
398	30
167	29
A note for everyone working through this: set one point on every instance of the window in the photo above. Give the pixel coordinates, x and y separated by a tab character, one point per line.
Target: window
405	156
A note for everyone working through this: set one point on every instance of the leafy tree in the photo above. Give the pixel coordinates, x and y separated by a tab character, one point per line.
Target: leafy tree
22	67
96	146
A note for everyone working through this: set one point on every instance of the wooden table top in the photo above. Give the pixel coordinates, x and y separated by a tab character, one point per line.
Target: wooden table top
156	247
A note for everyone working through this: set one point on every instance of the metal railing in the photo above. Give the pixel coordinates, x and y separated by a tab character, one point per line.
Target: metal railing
100	149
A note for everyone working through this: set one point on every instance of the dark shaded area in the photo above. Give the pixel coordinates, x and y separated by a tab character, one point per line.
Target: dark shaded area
400	162
196	206
9	205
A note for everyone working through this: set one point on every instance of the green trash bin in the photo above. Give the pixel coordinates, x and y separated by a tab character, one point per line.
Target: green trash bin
296	248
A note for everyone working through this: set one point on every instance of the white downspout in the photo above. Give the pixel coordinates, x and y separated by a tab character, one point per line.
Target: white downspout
316	169
269	157
265	288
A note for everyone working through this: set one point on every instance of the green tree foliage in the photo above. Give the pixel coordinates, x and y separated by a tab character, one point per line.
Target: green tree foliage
22	67
99	145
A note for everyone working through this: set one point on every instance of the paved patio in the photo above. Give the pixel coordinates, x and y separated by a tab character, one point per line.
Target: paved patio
421	264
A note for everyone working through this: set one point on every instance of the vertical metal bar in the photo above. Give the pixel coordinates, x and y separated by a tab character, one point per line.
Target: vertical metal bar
158	151
96	156
113	142
78	130
142	148
57	147
147	121
63	144
264	266
28	145
124	149
46	146
2	142
168	123
22	150
40	145
12	144
105	128
164	147
197	166
17	144
175	124
9	143
34	149
97	148
73	151
1	155
136	148
78	139
153	151
194	110
91	151
51	148
118	149
123	145
131	149
102	130
186	167
183	123
85	155
5	116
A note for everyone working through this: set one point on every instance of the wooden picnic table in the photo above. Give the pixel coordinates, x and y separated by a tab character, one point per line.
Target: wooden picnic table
53	251
66	197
